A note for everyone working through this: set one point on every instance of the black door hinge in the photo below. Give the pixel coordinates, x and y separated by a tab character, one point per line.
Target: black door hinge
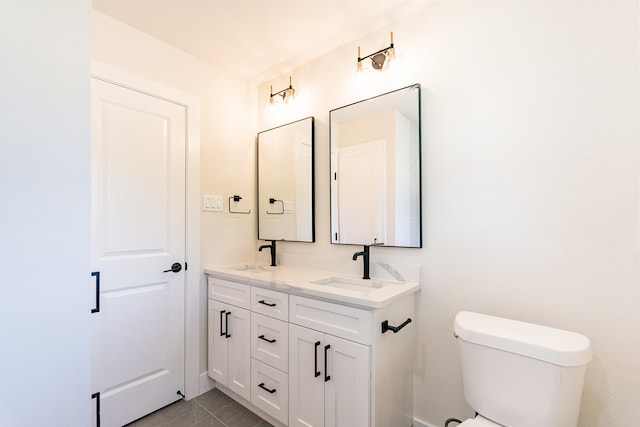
97	397
96	309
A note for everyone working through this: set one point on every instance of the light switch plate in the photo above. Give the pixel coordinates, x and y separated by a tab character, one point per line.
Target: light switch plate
211	203
289	206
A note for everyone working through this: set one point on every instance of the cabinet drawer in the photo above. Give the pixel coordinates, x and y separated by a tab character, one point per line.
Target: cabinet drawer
270	341
230	292
342	321
270	303
270	390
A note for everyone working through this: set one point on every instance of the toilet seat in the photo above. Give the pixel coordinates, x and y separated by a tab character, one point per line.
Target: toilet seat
479	421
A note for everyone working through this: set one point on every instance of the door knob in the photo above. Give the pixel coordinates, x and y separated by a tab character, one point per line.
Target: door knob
175	267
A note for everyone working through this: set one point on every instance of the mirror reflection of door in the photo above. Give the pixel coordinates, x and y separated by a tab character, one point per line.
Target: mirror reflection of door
361	193
376	170
285	182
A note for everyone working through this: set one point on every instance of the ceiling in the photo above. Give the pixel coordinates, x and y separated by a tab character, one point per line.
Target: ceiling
258	39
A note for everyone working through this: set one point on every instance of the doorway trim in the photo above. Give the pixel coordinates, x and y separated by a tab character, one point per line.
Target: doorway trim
192	313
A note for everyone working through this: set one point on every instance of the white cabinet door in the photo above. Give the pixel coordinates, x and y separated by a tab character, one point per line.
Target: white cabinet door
329	380
138	232
238	329
347	392
306	377
229	351
218	347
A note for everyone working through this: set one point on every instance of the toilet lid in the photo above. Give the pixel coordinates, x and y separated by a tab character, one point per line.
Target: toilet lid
479	422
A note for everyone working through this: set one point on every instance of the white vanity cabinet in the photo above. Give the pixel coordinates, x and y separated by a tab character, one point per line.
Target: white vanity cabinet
312	360
229	322
343	370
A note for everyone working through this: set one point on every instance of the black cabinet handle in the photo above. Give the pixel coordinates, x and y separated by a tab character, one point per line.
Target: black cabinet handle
175	267
394	329
261	385
316	373
266	303
267	339
326	377
96	274
226	325
221	314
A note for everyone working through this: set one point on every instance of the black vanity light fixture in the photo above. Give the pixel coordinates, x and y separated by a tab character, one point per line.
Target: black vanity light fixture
287	94
378	58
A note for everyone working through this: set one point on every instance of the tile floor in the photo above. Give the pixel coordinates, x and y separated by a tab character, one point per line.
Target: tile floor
212	409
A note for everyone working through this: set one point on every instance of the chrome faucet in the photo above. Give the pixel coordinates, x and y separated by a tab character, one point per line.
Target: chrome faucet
272	249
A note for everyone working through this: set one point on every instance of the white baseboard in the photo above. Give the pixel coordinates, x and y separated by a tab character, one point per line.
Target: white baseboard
206	383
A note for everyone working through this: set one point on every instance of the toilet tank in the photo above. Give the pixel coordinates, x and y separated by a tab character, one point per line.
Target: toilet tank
521	374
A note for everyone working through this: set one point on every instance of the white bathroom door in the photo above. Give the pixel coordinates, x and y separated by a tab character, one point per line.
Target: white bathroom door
138	232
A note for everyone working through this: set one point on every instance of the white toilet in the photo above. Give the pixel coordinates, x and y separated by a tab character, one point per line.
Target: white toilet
519	374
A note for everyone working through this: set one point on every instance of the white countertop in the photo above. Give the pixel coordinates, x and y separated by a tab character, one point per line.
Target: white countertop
342	288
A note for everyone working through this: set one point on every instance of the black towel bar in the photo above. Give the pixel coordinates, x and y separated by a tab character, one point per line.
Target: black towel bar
394	329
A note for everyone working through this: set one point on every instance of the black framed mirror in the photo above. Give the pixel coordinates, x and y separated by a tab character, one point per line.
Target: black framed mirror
286	182
376	195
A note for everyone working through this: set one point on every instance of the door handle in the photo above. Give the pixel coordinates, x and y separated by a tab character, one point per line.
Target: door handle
175	267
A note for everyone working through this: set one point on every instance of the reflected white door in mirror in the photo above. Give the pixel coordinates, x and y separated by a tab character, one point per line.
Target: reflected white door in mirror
376	170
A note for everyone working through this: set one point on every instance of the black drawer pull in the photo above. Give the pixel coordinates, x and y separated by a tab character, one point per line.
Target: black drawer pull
261	385
221	314
326	377
266	303
315	360
267	339
394	329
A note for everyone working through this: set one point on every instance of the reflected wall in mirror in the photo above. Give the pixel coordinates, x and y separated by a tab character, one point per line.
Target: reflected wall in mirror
285	182
376	170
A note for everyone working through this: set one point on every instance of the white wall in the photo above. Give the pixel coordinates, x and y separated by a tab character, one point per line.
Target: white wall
45	283
227	135
530	181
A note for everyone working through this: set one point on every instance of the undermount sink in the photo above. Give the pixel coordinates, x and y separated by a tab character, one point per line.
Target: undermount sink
359	285
251	268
